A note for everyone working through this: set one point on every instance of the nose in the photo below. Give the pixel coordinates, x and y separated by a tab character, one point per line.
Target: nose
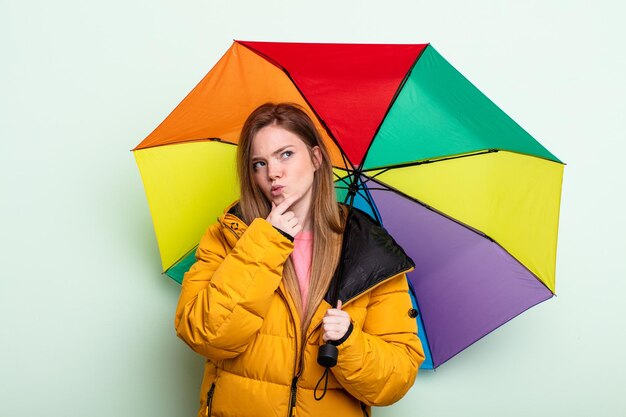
273	170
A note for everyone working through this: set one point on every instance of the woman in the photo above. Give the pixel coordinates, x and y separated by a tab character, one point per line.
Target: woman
256	302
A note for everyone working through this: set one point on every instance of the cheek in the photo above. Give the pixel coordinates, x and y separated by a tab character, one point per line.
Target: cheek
305	168
307	173
259	183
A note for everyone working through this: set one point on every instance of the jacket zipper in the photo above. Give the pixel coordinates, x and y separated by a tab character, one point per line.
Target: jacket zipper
292	398
294	381
209	399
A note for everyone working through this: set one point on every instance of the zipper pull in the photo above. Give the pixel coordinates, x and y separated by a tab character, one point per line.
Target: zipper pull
294	388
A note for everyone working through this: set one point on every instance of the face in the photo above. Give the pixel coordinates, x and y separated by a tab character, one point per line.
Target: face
283	166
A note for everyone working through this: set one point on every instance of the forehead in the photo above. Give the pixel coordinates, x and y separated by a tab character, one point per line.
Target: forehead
272	138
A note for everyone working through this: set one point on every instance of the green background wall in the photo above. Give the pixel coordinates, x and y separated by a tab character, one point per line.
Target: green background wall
86	319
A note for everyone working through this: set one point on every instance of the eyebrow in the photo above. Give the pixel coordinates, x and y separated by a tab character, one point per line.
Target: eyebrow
276	152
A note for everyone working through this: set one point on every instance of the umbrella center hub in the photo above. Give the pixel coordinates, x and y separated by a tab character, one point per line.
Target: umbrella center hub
353	188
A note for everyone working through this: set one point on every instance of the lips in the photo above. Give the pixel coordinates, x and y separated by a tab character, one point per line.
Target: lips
277	190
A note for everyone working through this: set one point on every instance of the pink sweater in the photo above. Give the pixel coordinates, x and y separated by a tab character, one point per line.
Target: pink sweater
301	257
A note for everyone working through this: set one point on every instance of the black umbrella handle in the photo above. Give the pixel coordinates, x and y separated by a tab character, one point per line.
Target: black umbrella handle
327	355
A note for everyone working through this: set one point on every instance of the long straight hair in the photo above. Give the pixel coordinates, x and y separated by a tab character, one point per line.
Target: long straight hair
326	217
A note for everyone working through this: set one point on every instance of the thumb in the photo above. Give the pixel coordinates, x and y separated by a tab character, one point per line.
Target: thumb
339	304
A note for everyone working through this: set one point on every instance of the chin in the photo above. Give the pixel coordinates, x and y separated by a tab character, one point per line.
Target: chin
278	199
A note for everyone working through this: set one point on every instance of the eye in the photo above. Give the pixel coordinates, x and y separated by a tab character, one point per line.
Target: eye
258	164
286	154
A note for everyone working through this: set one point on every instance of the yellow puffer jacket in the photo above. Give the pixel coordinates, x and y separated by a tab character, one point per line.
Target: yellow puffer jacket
235	311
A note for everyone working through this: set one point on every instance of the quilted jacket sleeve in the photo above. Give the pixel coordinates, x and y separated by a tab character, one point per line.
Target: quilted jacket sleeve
378	363
226	294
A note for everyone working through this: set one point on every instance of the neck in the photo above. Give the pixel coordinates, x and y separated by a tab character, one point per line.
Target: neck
303	214
304	218
302	210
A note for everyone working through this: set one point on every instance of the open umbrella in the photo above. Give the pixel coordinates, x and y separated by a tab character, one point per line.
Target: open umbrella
471	196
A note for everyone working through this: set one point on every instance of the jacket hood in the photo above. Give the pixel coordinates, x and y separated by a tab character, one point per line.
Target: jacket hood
369	255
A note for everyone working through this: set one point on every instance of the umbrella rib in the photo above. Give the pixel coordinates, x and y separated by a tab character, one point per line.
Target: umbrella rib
372	205
183	142
365	197
431	161
354	189
346	163
369	188
428	161
342	179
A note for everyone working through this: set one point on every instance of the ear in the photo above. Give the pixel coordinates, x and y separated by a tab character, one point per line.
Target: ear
316	156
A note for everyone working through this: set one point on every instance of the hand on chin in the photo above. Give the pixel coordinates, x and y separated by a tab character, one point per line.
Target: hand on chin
280	198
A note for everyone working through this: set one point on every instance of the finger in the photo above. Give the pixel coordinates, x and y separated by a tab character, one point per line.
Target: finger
285	204
336	313
339	317
335	327
340	329
282	207
332	335
330	313
339	304
331	320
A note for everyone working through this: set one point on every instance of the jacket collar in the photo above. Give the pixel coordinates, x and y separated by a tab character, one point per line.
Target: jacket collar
369	256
